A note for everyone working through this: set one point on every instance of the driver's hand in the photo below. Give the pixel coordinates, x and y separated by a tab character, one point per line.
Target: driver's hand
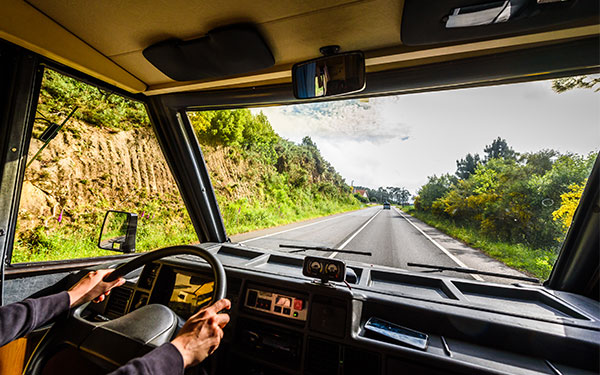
91	287
201	334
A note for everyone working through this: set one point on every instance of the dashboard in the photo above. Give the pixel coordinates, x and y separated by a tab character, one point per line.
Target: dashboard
283	323
276	303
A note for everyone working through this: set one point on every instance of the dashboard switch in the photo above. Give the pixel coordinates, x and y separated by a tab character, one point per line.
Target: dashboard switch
252	296
264	304
298	304
277	303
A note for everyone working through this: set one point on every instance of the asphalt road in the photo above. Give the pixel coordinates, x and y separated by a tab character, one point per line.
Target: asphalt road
393	238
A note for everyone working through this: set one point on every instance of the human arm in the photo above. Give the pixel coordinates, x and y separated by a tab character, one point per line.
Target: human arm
199	337
19	319
92	287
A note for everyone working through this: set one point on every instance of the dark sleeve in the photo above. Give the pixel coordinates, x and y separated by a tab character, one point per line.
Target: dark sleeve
165	359
18	319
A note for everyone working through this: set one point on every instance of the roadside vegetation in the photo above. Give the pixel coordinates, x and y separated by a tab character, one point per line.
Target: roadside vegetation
260	179
282	182
515	207
391	194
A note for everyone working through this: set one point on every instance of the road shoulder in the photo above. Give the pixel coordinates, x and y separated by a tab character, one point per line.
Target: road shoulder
472	258
262	233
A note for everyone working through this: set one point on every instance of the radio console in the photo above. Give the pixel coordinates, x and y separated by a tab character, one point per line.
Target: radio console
276	303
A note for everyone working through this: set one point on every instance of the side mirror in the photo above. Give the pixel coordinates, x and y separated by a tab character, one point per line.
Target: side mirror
336	74
118	232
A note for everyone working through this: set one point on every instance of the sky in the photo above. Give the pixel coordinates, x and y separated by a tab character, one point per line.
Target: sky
401	140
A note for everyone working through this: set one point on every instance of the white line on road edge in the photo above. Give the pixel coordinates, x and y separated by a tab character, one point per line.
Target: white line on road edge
291	229
354	235
453	257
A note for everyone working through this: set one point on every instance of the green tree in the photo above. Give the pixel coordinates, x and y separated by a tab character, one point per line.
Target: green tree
539	162
466	167
499	149
404	196
561	85
435	188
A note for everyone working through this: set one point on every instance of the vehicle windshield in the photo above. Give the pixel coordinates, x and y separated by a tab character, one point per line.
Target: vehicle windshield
480	178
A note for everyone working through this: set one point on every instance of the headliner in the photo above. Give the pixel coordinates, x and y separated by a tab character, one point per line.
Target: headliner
105	39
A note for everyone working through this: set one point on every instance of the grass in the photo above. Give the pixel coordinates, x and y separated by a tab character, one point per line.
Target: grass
58	242
78	239
243	216
536	262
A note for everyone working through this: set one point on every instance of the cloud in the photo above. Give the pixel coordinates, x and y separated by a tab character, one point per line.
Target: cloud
371	141
373	121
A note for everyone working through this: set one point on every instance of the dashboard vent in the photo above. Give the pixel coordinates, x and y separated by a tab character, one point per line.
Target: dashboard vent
233	289
148	275
117	303
322	357
233	286
359	362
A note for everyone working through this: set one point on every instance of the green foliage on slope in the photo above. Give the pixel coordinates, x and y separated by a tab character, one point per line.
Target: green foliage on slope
514	200
60	94
291	181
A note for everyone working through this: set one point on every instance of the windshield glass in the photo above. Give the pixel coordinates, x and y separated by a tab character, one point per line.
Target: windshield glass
482	178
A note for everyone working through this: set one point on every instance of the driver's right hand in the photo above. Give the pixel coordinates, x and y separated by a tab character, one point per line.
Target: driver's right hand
202	333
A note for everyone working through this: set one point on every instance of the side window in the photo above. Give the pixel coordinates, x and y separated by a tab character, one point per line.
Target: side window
105	156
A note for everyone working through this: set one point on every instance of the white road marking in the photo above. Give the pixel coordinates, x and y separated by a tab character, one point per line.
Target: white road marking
291	229
354	235
450	255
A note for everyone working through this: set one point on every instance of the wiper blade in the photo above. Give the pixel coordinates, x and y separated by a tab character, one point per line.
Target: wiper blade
50	133
322	248
472	271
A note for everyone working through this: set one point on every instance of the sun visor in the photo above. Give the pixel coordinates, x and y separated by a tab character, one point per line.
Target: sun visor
221	52
426	22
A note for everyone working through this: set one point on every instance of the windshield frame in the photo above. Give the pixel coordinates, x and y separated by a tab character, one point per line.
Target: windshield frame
526	65
173	130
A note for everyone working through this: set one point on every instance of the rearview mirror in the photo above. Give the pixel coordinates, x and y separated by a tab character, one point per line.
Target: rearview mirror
118	232
337	74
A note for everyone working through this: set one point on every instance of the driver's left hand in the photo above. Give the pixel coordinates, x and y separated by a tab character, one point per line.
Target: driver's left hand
92	287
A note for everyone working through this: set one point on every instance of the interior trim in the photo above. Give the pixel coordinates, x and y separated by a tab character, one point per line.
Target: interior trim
382	58
539	63
51	40
20	82
18	270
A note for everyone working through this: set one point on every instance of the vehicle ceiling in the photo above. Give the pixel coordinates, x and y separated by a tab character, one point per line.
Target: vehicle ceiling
105	39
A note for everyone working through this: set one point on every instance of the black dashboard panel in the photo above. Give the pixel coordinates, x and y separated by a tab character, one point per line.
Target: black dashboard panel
473	328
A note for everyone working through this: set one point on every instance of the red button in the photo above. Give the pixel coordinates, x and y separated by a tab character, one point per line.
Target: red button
298	304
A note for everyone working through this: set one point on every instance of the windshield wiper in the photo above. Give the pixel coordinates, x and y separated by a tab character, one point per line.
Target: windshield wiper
472	271
50	133
322	248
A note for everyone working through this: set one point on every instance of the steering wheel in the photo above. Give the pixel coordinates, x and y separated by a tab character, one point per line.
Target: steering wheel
113	343
220	287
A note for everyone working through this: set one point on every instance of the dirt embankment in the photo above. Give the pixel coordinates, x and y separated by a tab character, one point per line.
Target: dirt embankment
88	169
232	176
